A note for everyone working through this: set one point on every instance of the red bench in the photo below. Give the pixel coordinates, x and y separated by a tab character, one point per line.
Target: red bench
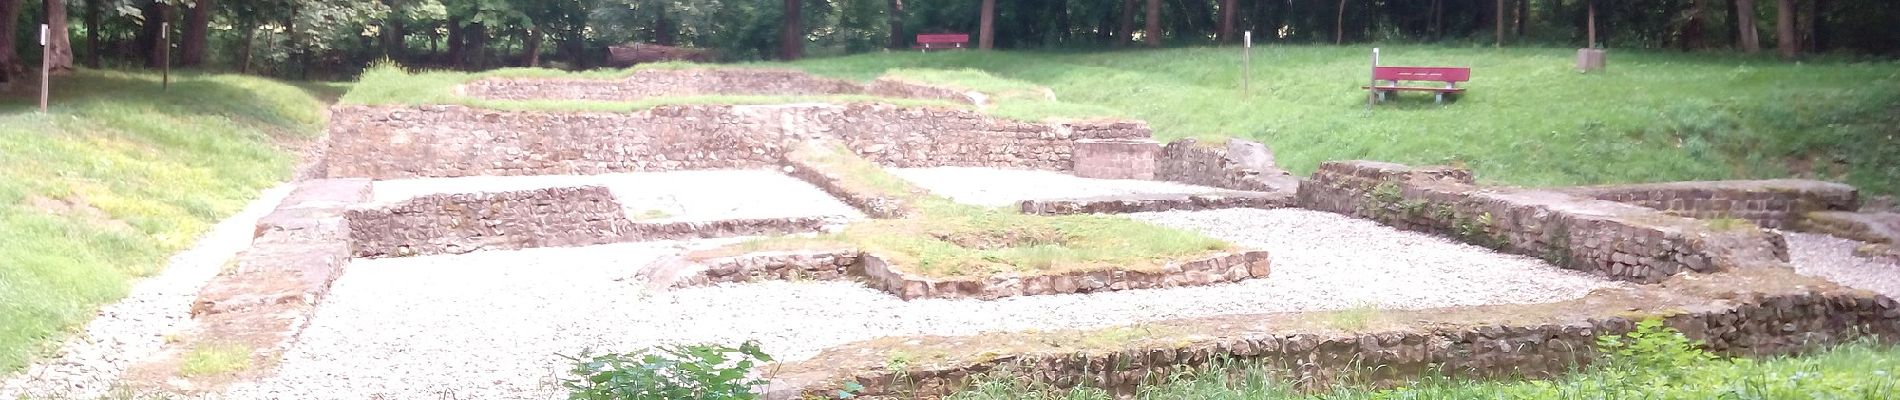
939	41
1385	80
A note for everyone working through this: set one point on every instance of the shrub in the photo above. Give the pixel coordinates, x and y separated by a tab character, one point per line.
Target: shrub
701	371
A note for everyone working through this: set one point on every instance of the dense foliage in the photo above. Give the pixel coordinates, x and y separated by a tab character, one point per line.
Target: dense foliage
335	38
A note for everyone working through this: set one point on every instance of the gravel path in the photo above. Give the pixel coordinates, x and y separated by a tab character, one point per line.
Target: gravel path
1833	259
1003	187
681	195
134	328
489	325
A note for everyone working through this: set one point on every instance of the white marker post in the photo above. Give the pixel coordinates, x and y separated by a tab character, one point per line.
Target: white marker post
46	65
1246	62
1372	93
165	54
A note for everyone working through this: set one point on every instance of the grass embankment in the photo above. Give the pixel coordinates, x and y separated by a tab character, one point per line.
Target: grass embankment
1528	118
388	84
119	176
1649	364
949	239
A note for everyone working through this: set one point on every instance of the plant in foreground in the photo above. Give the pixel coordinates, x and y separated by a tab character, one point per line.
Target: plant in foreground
701	371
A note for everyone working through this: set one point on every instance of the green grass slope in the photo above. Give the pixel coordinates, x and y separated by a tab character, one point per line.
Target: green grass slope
1528	119
119	176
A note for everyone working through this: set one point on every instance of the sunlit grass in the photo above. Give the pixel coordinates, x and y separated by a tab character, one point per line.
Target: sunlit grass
120	175
215	359
1527	119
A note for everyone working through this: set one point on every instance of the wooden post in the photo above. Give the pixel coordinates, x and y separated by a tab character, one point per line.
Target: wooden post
1246	62
46	65
1593	24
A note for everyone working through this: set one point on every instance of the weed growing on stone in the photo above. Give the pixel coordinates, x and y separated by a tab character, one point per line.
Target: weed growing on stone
215	359
1357	318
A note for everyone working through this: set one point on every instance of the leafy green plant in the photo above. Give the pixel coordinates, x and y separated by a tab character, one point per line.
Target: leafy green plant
1652	353
700	371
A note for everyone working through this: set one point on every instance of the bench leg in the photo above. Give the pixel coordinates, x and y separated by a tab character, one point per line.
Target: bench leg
1440	98
1382	94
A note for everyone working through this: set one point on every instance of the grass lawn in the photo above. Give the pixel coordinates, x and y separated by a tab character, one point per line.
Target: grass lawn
1528	118
948	239
119	176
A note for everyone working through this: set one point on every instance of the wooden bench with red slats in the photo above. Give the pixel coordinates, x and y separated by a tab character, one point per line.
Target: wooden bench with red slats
940	41
1385	80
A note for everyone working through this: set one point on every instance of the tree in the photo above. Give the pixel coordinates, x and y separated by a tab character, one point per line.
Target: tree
1784	29
94	9
1339	24
157	53
10	67
1153	34
1749	38
1227	11
59	44
1497	18
1127	33
192	47
792	33
987	27
897	24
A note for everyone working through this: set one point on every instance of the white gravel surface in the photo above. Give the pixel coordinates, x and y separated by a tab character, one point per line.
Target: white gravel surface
681	195
489	325
998	187
89	365
1833	259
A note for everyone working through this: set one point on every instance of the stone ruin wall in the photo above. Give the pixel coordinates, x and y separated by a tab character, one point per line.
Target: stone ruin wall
1237	164
664	82
273	286
875	272
1780	203
393	142
547	217
1606	238
1752	325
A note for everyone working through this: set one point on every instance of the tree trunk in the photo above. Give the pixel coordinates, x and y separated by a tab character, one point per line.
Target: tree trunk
1227	12
244	47
1749	37
293	42
531	46
10	67
1497	18
664	31
156	51
60	44
1819	35
394	42
455	41
1523	17
1153	33
192	47
93	10
987	27
1127	24
1695	30
791	39
475	46
1339	24
1591	22
1784	29
897	24
1438	19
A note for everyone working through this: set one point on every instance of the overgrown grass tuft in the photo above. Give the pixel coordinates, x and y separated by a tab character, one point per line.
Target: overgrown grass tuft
1528	118
120	175
215	359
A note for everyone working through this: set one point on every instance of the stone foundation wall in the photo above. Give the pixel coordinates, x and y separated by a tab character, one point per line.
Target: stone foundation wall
1232	267
1237	165
269	293
1880	228
1778	203
842	264
873	204
1750	325
1617	240
1156	202
663	82
1116	158
887	87
549	217
391	142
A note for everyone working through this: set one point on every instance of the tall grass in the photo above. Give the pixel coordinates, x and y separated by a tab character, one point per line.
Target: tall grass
120	175
1528	118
